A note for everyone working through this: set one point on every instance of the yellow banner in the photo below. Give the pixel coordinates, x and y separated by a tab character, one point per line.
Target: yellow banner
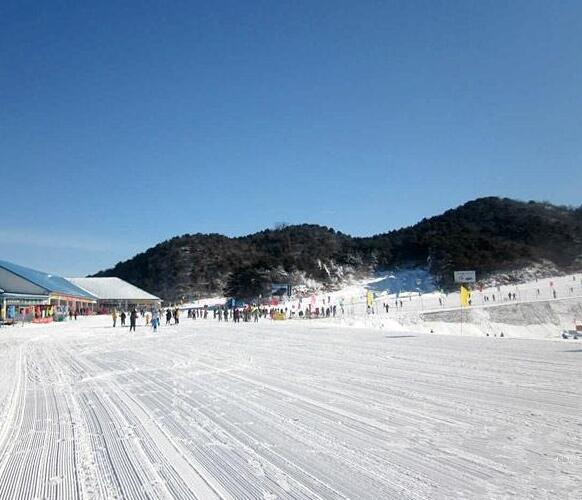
465	296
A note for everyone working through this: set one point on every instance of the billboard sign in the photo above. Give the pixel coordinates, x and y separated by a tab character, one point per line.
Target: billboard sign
280	289
464	276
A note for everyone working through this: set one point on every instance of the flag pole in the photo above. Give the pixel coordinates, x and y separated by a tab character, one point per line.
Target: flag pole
460	295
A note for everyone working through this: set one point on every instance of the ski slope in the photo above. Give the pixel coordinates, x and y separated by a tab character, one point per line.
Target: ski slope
541	308
290	410
414	287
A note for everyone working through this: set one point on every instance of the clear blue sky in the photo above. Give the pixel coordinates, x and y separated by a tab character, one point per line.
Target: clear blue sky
125	123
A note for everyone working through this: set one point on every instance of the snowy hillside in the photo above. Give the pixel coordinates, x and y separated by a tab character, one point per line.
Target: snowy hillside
407	298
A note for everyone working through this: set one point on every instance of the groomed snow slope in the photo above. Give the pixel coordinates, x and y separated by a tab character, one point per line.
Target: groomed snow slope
285	410
534	313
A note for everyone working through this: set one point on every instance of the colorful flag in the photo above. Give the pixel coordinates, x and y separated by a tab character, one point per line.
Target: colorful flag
465	296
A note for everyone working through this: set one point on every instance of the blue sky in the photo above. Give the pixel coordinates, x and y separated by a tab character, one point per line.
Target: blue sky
125	123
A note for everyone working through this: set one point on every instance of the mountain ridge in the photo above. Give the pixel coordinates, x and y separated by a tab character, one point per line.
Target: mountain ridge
488	234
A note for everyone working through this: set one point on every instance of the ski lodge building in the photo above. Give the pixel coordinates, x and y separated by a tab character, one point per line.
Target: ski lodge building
114	293
30	295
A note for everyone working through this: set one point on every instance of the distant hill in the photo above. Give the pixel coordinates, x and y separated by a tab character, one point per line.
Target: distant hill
488	234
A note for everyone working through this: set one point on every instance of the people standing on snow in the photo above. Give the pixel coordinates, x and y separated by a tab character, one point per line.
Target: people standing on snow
123	316
132	320
155	320
114	317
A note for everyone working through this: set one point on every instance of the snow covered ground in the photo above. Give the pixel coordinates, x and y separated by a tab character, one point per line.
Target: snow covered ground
293	409
417	292
542	308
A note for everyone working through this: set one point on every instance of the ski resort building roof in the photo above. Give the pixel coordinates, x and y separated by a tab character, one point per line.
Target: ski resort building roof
16	279
114	289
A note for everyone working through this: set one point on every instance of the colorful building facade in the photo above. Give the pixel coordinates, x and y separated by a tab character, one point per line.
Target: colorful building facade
30	295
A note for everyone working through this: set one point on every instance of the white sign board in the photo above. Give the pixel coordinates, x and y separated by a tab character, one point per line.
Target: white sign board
464	276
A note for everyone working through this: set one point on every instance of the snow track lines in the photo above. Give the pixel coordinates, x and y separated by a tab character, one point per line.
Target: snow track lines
270	411
38	460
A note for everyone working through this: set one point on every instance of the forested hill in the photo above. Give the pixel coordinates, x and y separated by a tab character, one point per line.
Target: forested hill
487	234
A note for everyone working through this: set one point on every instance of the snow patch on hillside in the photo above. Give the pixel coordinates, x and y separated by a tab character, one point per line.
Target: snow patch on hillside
532	272
402	280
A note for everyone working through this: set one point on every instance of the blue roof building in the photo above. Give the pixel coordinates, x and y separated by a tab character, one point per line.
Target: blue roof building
22	286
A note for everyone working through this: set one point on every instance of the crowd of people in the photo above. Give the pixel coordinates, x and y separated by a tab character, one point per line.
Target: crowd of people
151	317
246	314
